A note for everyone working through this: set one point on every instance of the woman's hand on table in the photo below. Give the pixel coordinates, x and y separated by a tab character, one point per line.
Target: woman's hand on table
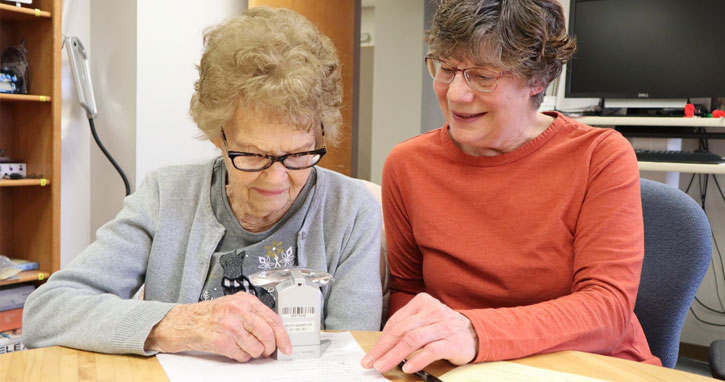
428	325
237	326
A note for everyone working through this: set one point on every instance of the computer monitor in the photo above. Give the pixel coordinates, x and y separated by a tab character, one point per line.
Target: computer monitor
647	49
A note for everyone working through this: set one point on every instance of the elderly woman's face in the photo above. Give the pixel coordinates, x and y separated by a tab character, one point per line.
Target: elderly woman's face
263	197
481	121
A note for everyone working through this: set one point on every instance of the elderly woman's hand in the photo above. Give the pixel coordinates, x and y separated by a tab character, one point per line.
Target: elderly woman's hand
428	325
238	326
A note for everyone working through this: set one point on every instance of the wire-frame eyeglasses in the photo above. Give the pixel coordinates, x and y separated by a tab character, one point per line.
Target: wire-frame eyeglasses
477	78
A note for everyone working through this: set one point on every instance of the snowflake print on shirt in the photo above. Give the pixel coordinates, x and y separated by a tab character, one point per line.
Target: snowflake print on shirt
276	257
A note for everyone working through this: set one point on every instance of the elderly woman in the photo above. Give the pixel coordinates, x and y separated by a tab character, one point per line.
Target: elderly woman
269	97
510	232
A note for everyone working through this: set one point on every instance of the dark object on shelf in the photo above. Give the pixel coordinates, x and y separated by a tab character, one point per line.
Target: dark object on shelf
677	156
667	132
655	112
15	66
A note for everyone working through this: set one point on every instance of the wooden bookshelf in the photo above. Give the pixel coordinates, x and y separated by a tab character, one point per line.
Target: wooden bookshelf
23	98
24	182
15	13
25	277
30	133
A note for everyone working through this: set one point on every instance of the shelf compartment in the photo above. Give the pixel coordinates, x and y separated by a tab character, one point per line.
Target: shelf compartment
23	98
28	137
28	230
26	276
15	13
40	42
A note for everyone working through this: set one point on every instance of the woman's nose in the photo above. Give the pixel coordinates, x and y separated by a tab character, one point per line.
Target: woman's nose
458	89
276	172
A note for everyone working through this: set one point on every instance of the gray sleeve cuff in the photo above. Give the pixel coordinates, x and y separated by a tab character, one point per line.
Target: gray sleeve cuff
131	332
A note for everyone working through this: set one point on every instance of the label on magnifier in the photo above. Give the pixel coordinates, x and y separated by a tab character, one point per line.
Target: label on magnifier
299	327
297	311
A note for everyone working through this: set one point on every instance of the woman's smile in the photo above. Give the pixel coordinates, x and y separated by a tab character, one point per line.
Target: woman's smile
466	117
270	192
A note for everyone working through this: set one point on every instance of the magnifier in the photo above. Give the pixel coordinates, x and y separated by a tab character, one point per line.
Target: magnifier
299	304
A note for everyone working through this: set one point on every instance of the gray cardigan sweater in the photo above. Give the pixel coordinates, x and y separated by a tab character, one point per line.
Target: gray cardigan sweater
165	236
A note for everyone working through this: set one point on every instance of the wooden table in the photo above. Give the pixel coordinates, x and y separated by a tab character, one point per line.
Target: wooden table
63	364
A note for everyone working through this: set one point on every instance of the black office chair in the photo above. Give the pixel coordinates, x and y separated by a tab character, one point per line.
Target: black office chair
677	252
717	359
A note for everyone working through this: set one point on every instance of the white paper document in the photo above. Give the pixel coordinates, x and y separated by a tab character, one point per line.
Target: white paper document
510	372
339	362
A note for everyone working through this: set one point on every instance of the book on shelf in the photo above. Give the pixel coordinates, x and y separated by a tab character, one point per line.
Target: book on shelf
11	319
13	297
11	341
24	265
10	267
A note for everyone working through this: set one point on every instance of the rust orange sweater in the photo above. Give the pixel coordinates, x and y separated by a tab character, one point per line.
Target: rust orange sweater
541	248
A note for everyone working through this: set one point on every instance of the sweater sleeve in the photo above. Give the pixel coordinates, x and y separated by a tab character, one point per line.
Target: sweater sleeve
607	259
355	298
87	305
404	257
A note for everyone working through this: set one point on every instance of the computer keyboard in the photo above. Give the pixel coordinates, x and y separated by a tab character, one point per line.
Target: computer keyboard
677	156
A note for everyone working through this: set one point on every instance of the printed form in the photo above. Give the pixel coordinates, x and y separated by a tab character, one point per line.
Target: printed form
339	362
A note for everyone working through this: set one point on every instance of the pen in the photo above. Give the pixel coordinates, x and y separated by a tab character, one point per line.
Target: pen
422	374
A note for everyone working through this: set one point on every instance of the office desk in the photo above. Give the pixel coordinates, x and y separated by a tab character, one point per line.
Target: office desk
63	364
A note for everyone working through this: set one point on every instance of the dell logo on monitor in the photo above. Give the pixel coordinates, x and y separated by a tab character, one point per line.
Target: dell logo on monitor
642	95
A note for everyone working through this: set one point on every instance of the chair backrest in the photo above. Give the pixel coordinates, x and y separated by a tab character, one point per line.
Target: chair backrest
677	253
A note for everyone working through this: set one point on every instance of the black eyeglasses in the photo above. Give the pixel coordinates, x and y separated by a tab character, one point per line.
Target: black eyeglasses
478	78
253	162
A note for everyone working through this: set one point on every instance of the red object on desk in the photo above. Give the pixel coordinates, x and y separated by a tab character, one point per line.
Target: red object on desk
718	114
689	110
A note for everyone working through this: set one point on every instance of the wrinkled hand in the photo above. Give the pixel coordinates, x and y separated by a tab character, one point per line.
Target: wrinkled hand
238	326
428	325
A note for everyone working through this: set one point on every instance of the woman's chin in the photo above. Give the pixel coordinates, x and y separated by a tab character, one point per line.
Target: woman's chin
467	135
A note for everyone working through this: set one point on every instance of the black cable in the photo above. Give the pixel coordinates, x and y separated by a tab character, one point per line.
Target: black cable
707	307
110	158
703	321
703	190
690	184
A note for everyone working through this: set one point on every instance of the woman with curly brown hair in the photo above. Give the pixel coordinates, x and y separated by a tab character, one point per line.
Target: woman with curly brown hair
269	97
510	232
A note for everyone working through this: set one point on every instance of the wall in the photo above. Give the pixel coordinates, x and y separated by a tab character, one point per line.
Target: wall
397	77
365	114
431	116
113	70
75	191
166	57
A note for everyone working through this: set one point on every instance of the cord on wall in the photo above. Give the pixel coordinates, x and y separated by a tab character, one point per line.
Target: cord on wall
78	58
110	158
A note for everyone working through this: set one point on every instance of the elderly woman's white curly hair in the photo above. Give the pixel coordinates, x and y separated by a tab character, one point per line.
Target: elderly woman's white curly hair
273	61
